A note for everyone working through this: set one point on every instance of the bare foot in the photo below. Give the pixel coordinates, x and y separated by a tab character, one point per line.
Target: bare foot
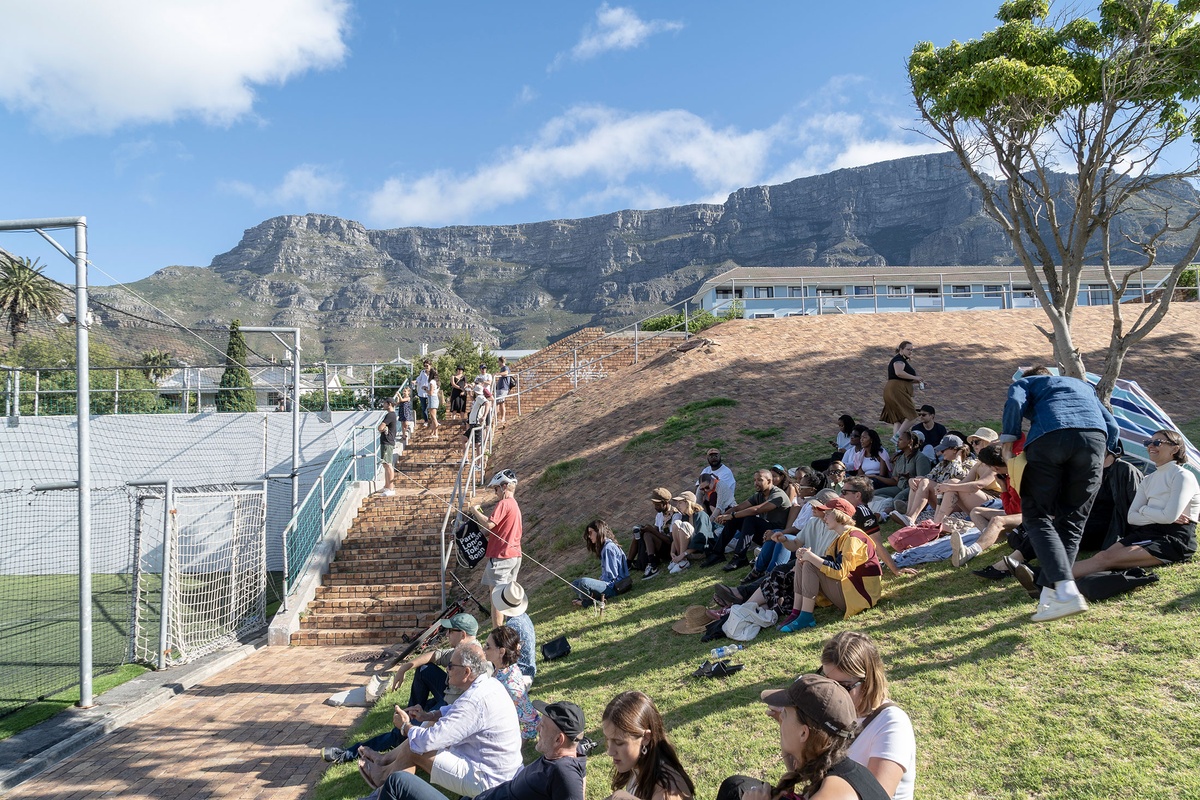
370	773
577	603
367	754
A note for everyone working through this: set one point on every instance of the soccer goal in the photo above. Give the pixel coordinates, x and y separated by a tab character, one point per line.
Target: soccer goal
212	542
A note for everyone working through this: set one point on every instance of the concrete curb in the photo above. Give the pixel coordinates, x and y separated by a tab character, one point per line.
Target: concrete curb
33	751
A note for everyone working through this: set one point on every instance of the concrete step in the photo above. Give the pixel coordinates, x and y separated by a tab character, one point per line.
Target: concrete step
341	637
408	574
363	605
379	591
391	621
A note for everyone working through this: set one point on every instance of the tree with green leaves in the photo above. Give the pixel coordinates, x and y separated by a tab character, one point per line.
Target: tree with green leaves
157	364
25	293
1102	98
236	392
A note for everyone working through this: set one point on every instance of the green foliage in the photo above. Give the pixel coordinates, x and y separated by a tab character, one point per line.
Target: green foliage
555	474
460	350
762	433
26	293
697	320
157	363
688	420
236	392
387	381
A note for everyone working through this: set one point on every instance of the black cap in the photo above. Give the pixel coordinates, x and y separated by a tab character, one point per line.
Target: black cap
567	716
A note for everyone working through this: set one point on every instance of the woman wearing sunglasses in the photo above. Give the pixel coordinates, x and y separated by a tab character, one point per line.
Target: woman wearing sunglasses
1162	517
885	743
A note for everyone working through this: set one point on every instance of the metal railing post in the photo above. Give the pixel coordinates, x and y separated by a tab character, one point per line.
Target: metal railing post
117	392
575	367
325	383
635	343
16	395
164	615
686	327
37	390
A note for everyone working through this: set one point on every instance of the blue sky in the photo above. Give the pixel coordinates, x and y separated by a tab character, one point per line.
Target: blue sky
174	126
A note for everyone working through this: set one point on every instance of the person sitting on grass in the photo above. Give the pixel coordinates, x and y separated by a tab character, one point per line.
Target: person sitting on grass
858	492
923	491
884	743
645	764
780	477
726	483
614	568
766	509
931	429
874	461
990	519
852	458
1162	518
557	774
502	648
846	576
816	720
909	463
473	746
979	487
806	482
652	541
691	531
835	475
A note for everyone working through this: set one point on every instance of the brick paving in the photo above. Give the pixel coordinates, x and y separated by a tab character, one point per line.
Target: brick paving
255	730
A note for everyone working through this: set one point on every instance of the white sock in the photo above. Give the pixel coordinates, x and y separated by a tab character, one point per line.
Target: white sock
970	551
1047	595
1066	590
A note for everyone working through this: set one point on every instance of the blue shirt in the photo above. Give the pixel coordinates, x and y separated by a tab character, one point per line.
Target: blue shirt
1055	403
613	564
527	660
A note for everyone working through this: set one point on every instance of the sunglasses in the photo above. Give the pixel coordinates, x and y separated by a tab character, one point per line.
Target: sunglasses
849	686
1156	442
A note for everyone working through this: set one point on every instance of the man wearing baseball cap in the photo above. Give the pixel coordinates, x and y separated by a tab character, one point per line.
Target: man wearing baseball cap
559	772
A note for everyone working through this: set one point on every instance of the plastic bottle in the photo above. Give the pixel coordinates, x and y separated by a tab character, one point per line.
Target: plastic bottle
717	653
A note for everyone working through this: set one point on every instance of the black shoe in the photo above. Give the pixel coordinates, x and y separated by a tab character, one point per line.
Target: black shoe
1024	576
991	573
713	560
723	669
741	562
584	747
336	755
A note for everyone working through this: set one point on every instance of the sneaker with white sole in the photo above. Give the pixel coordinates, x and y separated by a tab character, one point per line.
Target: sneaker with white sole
651	572
336	755
1056	609
957	551
388	493
674	568
903	520
682	566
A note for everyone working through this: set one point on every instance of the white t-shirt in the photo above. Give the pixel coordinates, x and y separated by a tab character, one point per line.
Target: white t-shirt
726	485
872	466
890	735
852	458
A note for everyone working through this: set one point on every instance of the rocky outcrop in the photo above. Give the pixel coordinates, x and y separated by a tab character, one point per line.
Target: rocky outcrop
521	284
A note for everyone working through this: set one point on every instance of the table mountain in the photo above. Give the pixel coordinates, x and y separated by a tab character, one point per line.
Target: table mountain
361	292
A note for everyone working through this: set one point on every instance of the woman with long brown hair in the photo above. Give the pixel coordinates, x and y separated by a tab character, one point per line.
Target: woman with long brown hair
645	764
614	567
898	406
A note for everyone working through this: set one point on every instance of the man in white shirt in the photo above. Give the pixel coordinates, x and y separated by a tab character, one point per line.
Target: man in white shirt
475	745
423	392
726	483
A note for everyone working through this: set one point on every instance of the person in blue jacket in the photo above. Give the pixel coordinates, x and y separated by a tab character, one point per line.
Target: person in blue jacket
614	567
1070	431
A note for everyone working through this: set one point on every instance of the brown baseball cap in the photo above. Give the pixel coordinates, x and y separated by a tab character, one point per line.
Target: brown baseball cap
819	699
662	495
839	504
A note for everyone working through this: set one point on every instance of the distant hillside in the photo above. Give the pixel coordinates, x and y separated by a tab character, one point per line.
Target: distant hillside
362	292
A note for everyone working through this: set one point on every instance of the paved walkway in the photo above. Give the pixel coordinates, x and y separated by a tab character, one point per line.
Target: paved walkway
254	730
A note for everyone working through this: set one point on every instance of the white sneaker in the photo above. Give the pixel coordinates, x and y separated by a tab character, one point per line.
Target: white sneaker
682	566
674	568
388	493
957	551
903	520
651	572
1054	608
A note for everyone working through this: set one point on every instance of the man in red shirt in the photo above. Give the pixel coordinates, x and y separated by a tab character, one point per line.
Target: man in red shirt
503	555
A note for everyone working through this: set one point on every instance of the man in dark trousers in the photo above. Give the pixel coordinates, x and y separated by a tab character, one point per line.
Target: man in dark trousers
387	446
1070	431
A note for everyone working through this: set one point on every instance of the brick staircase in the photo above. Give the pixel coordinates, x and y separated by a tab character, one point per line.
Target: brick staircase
384	582
541	378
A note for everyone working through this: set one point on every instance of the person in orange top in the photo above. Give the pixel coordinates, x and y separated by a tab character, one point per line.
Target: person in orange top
503	554
847	576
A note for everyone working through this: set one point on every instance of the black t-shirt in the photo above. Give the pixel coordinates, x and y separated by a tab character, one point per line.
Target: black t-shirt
866	521
777	516
934	436
899	359
560	779
388	436
860	779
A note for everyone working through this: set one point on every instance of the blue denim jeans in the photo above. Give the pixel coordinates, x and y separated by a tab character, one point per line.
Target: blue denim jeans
772	555
590	589
428	687
381	743
407	786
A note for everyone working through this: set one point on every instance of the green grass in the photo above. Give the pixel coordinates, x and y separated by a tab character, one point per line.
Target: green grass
555	474
1102	705
43	710
690	421
763	433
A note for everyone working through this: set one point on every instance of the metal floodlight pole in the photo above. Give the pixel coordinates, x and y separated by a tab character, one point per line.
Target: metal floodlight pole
83	414
294	349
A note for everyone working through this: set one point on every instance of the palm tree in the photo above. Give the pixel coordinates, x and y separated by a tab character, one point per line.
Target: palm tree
26	292
156	363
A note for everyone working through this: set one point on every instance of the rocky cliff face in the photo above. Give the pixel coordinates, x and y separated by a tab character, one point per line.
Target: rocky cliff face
519	285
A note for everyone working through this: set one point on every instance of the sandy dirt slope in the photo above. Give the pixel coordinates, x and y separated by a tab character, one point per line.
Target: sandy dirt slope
797	374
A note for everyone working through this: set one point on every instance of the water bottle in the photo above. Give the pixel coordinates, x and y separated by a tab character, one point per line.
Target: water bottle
717	653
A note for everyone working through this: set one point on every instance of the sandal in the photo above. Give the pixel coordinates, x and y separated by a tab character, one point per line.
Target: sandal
723	669
725	595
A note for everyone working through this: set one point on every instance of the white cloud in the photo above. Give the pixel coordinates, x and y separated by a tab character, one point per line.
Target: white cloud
87	66
615	28
305	188
526	95
586	143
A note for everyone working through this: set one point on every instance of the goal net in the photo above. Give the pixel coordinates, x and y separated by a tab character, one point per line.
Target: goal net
213	542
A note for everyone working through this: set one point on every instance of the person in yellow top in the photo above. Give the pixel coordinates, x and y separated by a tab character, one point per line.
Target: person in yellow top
847	576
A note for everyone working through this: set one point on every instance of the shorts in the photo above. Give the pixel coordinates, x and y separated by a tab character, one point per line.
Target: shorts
501	571
456	774
500	396
995	502
386	451
1170	544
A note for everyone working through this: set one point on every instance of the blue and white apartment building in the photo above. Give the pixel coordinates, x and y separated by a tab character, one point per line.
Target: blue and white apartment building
767	292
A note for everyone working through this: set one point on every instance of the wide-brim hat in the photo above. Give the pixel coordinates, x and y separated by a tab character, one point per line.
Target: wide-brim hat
986	434
510	599
695	620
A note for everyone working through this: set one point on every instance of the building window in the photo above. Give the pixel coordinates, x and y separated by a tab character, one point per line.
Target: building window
897	291
993	290
836	292
864	291
1099	295
927	291
1023	292
764	292
765	316
959	290
729	294
795	291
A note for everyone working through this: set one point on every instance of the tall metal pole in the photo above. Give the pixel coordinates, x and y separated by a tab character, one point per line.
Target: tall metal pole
164	630
83	419
295	420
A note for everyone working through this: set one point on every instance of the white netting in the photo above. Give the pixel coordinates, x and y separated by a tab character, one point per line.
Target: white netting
217	573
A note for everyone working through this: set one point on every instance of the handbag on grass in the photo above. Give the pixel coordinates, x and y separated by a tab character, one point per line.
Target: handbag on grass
914	536
556	648
624	585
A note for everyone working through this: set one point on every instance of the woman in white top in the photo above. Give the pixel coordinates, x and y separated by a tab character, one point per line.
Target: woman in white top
435	401
885	743
1162	517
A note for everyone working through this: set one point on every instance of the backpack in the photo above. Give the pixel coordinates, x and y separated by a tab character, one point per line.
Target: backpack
470	544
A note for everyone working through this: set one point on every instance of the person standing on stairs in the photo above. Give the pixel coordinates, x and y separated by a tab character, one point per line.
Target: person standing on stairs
503	554
387	446
423	392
